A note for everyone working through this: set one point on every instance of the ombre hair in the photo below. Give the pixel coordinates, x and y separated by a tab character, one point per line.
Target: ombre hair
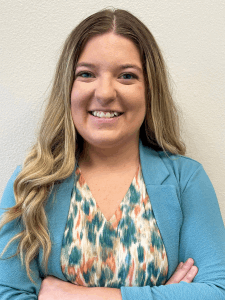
52	158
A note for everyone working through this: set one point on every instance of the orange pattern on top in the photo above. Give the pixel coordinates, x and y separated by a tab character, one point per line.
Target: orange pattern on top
88	264
118	215
79	279
144	266
110	262
145	200
78	237
78	221
71	270
137	210
90	217
131	273
81	180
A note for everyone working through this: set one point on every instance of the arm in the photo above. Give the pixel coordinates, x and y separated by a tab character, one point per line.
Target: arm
56	289
202	237
14	282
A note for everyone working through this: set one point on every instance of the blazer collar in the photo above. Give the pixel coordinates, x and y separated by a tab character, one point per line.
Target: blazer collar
153	168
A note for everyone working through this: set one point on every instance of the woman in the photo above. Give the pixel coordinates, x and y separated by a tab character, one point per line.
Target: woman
105	205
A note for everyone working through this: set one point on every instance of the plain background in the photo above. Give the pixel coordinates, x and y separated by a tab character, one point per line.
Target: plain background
190	34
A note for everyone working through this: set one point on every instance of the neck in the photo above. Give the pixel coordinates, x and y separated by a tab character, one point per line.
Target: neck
112	158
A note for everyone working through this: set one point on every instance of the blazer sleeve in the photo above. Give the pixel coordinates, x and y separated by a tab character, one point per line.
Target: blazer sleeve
14	282
202	237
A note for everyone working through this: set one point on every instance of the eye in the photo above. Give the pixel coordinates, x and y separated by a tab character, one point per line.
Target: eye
130	76
86	74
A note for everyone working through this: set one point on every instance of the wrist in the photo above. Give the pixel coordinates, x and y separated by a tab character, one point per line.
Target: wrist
106	293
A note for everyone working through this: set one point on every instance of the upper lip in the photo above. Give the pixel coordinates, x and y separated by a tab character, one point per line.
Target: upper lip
106	110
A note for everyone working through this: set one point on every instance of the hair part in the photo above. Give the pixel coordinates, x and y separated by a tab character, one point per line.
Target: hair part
52	158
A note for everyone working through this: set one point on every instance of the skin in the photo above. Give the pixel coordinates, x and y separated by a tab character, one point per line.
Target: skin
108	146
184	272
108	87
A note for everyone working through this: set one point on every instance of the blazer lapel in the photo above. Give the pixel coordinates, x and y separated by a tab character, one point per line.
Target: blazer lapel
164	200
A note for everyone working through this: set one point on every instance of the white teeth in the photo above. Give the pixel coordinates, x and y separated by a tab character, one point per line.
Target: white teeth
102	114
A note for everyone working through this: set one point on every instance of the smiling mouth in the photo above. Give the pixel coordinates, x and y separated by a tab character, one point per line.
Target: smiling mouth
108	115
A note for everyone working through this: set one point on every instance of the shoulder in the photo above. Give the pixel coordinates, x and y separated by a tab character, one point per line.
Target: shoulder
165	168
184	170
179	164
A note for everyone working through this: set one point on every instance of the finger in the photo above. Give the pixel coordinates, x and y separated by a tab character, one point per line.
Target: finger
181	271
191	274
179	266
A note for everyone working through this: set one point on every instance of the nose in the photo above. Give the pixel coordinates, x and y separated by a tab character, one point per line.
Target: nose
105	90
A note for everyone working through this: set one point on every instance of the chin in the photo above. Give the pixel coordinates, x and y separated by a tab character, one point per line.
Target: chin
104	143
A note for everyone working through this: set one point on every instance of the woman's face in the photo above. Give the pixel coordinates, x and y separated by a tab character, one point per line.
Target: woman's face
108	95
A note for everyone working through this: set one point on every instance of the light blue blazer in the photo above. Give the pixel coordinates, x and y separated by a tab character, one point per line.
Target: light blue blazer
188	216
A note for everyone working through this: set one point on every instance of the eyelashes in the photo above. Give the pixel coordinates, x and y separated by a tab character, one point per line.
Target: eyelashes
83	73
130	74
80	74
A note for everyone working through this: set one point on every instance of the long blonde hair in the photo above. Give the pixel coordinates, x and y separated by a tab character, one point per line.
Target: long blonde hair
52	158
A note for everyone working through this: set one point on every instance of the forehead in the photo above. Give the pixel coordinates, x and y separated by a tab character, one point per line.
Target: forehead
110	48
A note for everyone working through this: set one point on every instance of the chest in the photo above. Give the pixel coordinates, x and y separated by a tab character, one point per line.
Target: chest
108	191
96	249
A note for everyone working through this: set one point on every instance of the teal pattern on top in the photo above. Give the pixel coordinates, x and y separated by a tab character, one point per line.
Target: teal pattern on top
127	250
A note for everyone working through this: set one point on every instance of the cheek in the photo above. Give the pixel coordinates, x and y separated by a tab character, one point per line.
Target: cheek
138	102
79	107
79	96
78	102
73	107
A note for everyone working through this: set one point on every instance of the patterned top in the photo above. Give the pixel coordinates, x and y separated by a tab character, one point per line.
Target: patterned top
127	250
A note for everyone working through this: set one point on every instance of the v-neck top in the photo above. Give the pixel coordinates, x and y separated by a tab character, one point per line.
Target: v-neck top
126	250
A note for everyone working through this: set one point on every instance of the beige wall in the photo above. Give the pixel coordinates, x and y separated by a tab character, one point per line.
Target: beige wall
190	33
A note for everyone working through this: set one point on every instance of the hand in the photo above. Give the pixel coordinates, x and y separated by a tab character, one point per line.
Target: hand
184	272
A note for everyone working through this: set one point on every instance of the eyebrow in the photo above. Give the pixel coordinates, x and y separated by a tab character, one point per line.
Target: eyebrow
126	66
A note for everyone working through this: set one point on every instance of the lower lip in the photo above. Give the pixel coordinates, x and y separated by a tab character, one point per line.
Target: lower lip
104	120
